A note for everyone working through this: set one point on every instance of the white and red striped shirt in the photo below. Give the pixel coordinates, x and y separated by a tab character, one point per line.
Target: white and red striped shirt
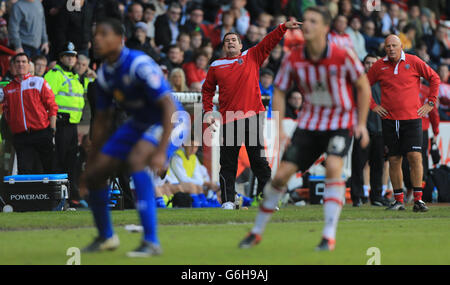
341	40
326	86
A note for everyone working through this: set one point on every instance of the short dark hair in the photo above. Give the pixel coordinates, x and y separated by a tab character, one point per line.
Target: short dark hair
173	46
13	59
409	27
39	57
150	6
115	24
326	16
232	33
174	5
369	55
130	7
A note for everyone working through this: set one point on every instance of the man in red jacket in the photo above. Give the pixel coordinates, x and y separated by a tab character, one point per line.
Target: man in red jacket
237	76
402	111
30	110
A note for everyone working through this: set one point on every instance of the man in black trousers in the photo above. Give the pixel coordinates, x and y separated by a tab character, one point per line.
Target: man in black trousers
374	153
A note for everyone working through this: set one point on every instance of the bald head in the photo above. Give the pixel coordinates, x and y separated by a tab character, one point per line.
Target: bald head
393	48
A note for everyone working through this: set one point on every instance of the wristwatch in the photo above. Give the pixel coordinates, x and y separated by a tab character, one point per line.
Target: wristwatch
431	103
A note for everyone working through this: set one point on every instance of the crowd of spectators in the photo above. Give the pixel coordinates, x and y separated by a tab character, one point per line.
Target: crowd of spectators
185	36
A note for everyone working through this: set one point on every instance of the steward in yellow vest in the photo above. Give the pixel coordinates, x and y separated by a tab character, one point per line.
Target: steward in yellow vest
69	95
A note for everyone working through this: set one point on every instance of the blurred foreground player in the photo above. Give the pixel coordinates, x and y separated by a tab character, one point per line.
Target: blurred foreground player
133	81
324	74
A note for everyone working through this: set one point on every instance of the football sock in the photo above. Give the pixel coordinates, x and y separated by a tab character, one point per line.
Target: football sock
160	202
146	205
398	195
332	204
196	203
267	207
99	202
366	190
417	193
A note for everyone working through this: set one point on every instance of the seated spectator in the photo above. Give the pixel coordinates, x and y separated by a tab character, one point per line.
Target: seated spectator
196	40
134	16
174	59
346	8
294	102
390	20
141	42
408	37
196	70
149	18
422	52
4	41
177	80
264	20
195	22
266	87
240	14
359	43
252	37
338	35
167	27
444	93
414	19
438	46
378	19
33	127
275	58
40	65
374	44
184	42
226	26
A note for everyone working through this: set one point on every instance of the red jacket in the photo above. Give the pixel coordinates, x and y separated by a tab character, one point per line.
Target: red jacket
193	74
238	79
400	85
28	104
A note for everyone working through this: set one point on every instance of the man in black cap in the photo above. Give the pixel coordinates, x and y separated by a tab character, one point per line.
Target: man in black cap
69	95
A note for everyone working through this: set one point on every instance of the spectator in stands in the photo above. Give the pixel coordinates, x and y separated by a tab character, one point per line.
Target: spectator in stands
338	35
428	25
184	42
196	40
227	23
76	27
438	46
40	65
31	71
134	16
374	44
174	59
31	115
422	52
345	8
264	21
85	74
27	29
196	70
378	19
294	102
252	37
140	41
266	78
177	80
366	14
167	27
444	93
149	18
160	7
195	21
359	43
390	20
408	37
240	14
275	57
4	41
414	19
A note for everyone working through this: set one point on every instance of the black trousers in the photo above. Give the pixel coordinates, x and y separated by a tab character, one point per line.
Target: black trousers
374	153
405	163
66	146
250	132
31	146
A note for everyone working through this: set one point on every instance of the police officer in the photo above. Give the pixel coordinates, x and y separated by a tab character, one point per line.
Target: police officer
69	95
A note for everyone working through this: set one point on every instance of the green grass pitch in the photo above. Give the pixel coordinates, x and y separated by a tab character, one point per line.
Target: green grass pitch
211	236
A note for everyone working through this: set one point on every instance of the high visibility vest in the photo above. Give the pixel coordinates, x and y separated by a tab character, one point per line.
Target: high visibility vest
189	164
69	92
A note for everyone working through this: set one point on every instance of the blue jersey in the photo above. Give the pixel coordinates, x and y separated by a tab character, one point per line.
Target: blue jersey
134	83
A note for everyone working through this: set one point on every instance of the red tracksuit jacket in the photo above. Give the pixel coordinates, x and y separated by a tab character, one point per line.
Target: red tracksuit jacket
28	104
238	79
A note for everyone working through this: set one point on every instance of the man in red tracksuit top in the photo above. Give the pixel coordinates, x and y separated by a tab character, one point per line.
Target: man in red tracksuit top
30	110
401	111
237	76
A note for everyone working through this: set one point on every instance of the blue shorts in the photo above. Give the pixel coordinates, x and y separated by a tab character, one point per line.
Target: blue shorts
120	144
